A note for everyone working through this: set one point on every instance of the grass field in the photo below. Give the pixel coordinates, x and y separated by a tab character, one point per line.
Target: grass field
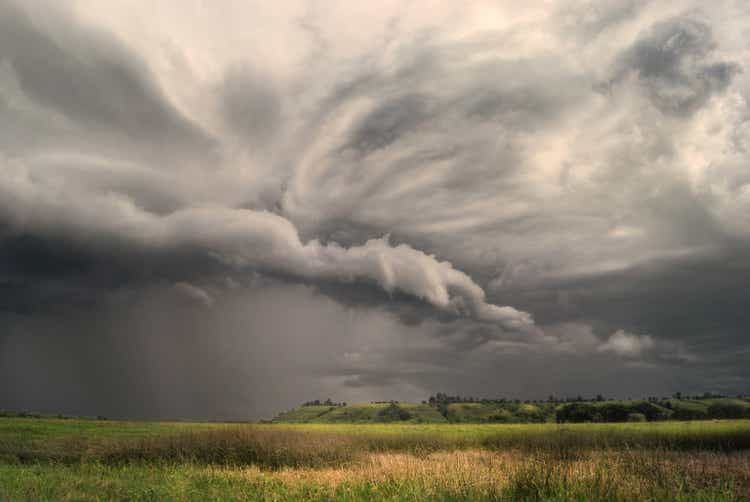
51	459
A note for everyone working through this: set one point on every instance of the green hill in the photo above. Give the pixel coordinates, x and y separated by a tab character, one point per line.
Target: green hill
696	409
666	409
501	412
516	412
303	414
363	413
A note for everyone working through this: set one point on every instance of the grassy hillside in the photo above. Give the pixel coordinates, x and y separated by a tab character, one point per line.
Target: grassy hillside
363	413
303	414
501	412
514	412
687	409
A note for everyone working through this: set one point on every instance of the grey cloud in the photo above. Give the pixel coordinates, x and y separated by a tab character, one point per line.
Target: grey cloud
690	307
672	60
247	238
93	81
391	121
250	105
591	19
416	143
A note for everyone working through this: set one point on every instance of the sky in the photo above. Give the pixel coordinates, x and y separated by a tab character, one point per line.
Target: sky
221	209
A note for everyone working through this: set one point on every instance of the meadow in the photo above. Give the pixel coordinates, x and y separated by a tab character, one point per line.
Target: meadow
71	459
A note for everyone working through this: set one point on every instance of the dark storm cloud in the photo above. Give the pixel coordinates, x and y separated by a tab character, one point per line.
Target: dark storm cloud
501	200
696	300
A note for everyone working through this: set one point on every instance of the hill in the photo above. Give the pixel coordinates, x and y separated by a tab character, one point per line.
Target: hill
363	413
488	411
480	412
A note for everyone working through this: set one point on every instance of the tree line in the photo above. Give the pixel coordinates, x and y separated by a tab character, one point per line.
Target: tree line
327	402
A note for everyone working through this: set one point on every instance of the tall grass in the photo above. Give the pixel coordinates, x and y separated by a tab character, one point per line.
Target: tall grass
459	475
275	447
708	461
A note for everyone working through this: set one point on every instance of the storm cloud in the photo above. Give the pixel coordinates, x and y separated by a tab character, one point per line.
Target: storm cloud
369	202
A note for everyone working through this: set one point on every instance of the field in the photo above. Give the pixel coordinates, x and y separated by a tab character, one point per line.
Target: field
57	459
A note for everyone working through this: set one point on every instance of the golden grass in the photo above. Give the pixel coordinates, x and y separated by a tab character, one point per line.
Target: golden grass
623	474
708	461
477	467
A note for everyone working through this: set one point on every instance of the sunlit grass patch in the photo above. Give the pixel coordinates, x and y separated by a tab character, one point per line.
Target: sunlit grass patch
453	475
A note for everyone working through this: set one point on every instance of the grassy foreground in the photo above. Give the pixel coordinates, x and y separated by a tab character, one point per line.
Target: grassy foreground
48	459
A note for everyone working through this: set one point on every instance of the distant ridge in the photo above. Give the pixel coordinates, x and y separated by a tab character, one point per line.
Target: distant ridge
517	412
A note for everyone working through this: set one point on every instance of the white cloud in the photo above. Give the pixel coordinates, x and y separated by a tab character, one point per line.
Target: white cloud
194	293
626	344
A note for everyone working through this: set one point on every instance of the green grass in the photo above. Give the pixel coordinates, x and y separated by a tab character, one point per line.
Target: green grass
43	427
303	414
502	413
196	483
50	459
51	434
